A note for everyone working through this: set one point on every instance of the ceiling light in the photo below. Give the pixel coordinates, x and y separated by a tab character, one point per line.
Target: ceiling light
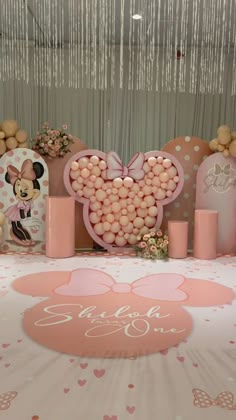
136	17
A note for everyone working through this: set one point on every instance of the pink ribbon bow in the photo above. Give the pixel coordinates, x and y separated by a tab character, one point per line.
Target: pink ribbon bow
26	172
223	400
134	169
90	282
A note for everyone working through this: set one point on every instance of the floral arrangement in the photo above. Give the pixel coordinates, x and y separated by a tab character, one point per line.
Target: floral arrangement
153	245
52	142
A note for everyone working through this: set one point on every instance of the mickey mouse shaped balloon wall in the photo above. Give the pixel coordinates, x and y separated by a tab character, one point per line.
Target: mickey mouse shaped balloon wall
121	202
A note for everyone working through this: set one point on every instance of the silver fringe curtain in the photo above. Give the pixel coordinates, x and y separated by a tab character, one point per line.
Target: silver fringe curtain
38	38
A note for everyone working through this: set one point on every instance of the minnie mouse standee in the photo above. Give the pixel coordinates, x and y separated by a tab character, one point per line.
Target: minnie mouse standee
23	188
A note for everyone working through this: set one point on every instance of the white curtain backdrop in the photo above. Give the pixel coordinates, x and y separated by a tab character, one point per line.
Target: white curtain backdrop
117	119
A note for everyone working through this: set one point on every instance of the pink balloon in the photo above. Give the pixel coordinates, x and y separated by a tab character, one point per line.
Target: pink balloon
104	186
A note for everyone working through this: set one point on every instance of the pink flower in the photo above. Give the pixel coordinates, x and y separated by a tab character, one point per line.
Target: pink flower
159	233
143	245
152	233
146	237
153	248
64	126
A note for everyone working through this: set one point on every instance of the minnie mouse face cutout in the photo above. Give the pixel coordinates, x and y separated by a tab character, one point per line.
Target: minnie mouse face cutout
121	202
23	187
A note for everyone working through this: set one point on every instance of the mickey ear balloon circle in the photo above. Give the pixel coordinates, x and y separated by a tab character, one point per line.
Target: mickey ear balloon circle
121	202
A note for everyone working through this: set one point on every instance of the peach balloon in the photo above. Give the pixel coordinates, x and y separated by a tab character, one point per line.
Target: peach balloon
176	179
90	184
131	194
106	202
22	146
116	207
110	218
137	201
154	189
149	181
93	199
135	231
94	160
74	174
172	171
108	237
94	218
102	165
104	186
21	136
159	159
120	241
164	177
123	192
156	181
143	205
117	216
152	211
11	143
115	227
135	188
167	163
90	166
75	186
98	229
150	175
146	167
74	166
95	206
123	203
92	178
171	185
142	212
128	228
130	208
152	161
150	221
104	174
117	182
140	194
80	180
144	230
99	212
160	194
169	193
147	190
106	226
150	200
113	198
164	186
124	212
128	182
126	236
138	222
131	216
83	162
158	169
132	239
106	209
85	173
100	195
80	193
124	220
88	192
108	191
99	183
96	171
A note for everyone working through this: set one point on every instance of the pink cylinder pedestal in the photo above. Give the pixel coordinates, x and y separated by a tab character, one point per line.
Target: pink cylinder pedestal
178	239
205	234
60	227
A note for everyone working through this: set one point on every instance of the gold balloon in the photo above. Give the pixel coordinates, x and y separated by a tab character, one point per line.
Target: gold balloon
11	143
233	135
223	128
2	135
10	127
21	136
1	232
232	148
3	147
2	218
22	146
224	137
226	152
220	148
213	145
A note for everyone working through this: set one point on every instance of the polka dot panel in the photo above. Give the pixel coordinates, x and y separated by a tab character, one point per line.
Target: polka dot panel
122	202
190	152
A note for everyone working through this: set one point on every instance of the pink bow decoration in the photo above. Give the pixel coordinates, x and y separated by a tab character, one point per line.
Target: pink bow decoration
134	169
26	172
90	282
223	400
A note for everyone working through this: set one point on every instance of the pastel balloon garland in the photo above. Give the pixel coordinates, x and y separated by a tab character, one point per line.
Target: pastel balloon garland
121	202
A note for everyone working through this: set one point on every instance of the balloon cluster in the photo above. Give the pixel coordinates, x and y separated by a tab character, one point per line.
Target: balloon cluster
122	208
2	220
225	141
11	136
